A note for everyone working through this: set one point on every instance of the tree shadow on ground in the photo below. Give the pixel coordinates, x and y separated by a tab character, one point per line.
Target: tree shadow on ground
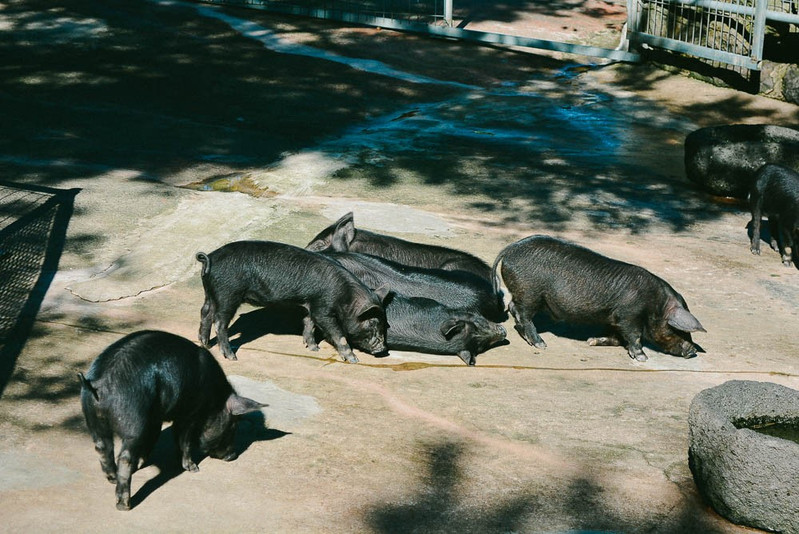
166	457
511	10
439	505
275	319
30	249
157	87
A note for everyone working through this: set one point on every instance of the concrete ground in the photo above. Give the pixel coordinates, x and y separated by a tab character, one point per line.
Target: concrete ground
185	127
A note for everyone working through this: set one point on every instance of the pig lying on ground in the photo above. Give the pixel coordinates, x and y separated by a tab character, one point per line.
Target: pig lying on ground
775	194
149	377
574	284
423	325
263	273
342	236
454	289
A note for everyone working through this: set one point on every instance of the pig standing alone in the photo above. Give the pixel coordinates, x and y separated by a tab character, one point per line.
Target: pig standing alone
342	236
149	377
262	273
775	193
572	283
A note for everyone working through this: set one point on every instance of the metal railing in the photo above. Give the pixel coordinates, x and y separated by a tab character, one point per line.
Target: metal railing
431	17
727	31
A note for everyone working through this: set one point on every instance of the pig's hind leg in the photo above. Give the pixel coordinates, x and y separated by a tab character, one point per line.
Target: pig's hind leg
222	317
206	319
102	435
524	325
605	341
140	438
308	334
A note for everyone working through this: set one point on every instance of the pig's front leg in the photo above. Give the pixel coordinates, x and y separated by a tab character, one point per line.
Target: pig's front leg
183	440
335	335
467	357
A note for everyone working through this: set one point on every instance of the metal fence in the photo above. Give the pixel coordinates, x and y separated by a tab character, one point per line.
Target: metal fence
726	31
33	223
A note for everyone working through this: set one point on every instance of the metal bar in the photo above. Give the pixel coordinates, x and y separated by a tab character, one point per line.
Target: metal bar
699	51
759	31
448	12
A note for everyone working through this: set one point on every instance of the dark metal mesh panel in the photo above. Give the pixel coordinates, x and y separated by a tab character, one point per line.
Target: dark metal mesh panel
26	223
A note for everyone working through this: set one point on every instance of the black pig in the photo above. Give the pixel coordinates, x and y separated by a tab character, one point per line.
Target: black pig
263	273
342	236
775	193
575	284
454	289
149	377
424	325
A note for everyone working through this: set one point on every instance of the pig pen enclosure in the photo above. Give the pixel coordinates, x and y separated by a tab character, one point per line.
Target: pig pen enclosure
177	127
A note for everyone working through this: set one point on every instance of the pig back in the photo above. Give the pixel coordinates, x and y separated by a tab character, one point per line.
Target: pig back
266	272
454	289
573	282
150	372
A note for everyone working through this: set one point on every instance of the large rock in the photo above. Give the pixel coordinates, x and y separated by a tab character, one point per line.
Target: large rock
723	159
748	477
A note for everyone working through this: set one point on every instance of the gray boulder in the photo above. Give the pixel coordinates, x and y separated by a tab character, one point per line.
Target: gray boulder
748	477
723	159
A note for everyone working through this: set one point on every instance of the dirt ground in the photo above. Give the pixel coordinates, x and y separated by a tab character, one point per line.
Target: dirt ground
180	127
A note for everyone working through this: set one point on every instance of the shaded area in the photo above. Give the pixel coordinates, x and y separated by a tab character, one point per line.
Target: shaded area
440	504
158	87
30	248
166	457
275	319
511	10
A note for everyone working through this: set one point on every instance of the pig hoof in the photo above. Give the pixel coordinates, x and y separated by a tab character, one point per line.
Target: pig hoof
123	504
755	251
313	348
191	467
231	357
641	357
350	358
540	344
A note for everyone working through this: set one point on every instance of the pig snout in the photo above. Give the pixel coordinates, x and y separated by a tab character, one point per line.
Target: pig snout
226	456
379	348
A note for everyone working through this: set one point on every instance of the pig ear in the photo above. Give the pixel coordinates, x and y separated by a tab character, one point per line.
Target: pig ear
240	405
681	319
451	327
369	308
382	292
344	233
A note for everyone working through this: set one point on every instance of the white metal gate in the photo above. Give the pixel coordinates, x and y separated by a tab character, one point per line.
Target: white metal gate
728	31
431	17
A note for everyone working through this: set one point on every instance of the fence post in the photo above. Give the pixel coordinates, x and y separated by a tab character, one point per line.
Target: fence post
448	12
759	31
